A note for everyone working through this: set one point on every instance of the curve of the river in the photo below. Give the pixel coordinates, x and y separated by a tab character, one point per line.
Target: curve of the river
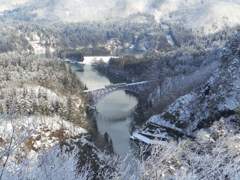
115	111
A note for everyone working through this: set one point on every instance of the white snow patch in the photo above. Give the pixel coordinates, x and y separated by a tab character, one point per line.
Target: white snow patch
158	120
35	124
91	59
142	138
170	40
36	45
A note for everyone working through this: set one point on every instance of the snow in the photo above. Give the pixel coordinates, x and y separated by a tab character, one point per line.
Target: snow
139	83
89	60
36	147
168	35
142	138
37	45
36	124
187	101
158	120
52	164
11	4
157	135
212	15
170	40
179	112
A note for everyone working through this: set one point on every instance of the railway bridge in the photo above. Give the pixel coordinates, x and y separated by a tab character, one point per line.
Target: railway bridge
136	88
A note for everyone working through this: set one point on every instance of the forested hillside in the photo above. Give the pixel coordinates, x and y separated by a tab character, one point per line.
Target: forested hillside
43	120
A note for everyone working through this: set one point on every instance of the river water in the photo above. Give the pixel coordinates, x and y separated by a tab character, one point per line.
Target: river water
114	112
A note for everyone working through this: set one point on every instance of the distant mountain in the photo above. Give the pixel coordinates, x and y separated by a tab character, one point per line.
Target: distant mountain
209	16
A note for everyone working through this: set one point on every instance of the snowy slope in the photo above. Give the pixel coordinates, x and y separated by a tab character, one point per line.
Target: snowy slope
31	144
218	97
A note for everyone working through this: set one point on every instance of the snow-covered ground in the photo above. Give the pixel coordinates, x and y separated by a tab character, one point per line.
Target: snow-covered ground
30	147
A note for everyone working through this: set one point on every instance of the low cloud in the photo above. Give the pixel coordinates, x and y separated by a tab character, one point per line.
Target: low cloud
210	14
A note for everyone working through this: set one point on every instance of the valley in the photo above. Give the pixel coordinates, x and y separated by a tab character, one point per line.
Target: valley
94	90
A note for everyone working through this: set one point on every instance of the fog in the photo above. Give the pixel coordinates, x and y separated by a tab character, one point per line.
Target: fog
210	14
95	10
11	4
213	15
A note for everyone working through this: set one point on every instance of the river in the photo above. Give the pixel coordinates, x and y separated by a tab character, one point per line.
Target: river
114	112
